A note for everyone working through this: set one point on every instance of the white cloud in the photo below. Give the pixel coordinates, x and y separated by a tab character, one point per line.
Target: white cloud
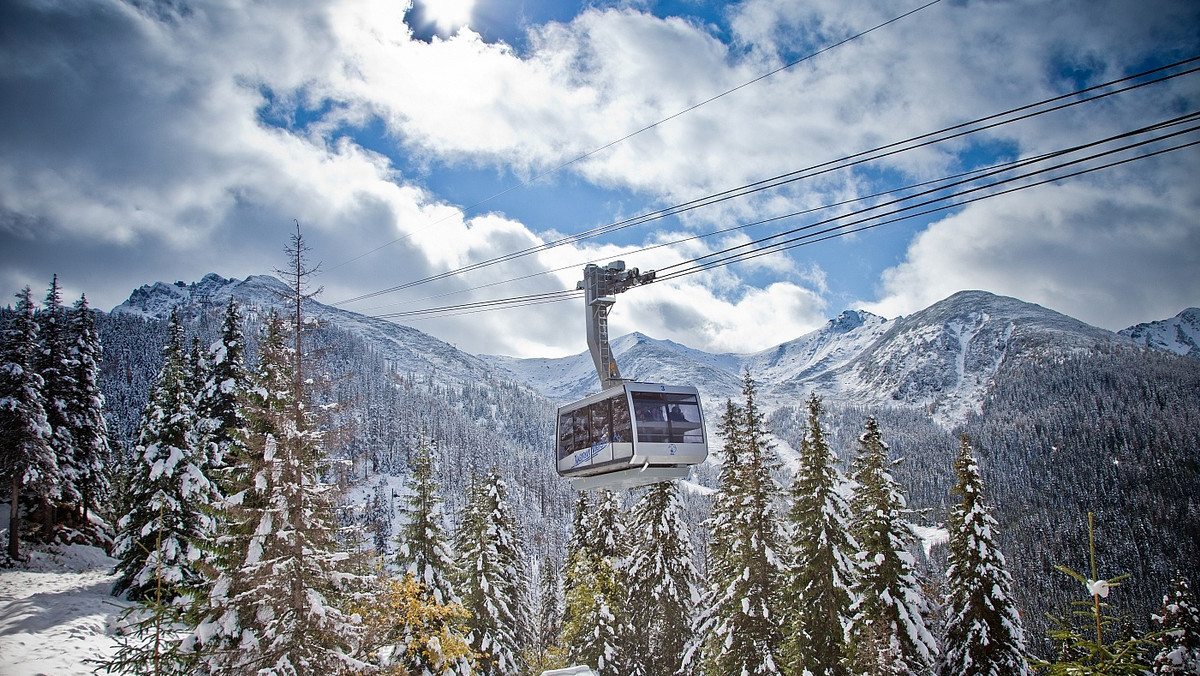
134	151
1106	251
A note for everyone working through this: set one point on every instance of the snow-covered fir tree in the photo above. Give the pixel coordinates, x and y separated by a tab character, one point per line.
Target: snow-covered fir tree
422	549
224	383
280	598
591	634
546	619
1179	623
821	569
28	465
423	552
88	426
55	365
888	632
493	577
159	537
742	626
983	633
662	582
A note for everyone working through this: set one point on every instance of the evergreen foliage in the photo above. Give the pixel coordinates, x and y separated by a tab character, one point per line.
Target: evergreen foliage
423	555
546	651
89	429
1178	623
742	627
149	633
493	579
28	465
983	633
888	631
55	365
592	632
283	584
421	547
822	568
158	540
1092	642
226	382
662	582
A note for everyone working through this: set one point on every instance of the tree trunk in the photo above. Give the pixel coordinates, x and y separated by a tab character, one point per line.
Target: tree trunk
14	520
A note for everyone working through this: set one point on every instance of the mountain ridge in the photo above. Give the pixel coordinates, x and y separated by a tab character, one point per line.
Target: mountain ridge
942	359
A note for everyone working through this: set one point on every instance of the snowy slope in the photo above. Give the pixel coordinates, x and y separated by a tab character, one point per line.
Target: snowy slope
941	359
944	357
56	616
407	349
1179	334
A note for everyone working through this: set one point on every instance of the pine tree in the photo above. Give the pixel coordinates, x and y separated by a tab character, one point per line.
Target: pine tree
662	591
722	531
591	632
743	633
421	546
983	634
822	568
169	488
225	384
493	578
149	632
1099	646
278	604
88	426
58	372
1179	624
28	465
423	554
888	632
547	620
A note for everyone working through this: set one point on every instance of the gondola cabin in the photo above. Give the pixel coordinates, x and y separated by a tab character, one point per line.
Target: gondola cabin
631	434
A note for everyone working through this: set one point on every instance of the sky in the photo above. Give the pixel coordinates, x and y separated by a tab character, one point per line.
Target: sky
145	141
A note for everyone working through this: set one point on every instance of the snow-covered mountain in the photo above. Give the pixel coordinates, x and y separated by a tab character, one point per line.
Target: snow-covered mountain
406	349
940	359
1179	334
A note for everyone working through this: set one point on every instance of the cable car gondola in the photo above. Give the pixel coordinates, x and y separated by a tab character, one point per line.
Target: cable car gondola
629	433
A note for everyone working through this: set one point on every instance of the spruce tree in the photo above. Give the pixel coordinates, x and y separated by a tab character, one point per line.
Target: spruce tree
421	546
169	490
225	384
743	634
888	632
88	426
821	569
547	618
28	465
722	545
591	633
662	581
278	604
58	373
1091	641
422	551
1178	622
983	634
493	577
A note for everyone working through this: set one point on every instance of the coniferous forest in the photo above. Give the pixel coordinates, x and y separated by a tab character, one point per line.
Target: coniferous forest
283	499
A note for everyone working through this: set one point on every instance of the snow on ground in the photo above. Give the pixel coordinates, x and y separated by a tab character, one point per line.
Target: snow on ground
56	613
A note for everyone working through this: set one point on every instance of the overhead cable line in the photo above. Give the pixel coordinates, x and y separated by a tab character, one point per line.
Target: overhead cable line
930	138
727	257
774	247
463	211
943	182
